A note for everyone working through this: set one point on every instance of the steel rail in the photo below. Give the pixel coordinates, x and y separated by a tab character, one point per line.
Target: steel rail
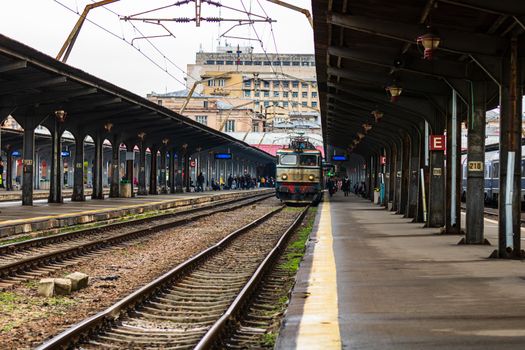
215	333
105	318
42	241
25	265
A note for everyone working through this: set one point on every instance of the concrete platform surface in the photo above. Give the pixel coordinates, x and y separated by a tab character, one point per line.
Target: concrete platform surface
44	216
373	280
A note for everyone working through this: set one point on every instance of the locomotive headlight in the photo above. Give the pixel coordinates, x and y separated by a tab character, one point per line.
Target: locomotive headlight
311	177
284	176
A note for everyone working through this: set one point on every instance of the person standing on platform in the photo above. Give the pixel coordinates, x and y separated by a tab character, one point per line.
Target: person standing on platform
2	173
200	182
346	186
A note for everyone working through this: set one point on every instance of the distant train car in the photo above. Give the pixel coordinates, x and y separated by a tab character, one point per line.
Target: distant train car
491	183
299	177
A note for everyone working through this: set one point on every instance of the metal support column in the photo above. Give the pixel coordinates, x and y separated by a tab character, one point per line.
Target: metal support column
153	172
163	185
393	177
413	187
171	174
28	163
98	189
476	165
399	167
436	195
178	178
9	171
130	158
453	184
78	179
387	168
405	174
55	184
509	206
114	190
187	175
142	169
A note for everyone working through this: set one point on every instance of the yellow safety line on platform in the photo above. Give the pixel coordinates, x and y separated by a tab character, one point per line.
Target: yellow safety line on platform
319	326
88	212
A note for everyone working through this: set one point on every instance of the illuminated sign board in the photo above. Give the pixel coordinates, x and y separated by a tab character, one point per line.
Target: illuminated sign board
65	153
16	153
223	156
339	158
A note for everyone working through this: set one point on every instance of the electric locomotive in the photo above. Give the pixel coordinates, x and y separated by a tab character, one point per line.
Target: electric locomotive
299	176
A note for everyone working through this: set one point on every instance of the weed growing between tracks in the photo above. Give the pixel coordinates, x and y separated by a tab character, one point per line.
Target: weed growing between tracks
269	305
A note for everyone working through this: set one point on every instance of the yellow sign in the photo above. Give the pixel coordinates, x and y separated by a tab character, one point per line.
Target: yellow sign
437	171
475	166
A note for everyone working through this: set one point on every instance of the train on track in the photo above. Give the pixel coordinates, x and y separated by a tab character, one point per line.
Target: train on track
299	175
491	170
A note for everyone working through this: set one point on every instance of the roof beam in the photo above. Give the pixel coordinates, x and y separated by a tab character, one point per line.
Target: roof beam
19	85
417	86
435	68
452	40
13	66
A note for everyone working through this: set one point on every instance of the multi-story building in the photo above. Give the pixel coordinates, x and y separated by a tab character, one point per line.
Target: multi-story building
228	115
279	84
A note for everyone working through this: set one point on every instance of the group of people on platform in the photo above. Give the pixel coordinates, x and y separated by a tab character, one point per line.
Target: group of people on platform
335	184
239	182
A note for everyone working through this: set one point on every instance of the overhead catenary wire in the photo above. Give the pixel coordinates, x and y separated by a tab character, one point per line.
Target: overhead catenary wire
151	60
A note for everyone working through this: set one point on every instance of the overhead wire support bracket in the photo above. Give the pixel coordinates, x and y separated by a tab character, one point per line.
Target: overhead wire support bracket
295	8
65	51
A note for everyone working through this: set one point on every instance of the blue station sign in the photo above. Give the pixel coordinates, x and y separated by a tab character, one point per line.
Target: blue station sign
223	156
339	158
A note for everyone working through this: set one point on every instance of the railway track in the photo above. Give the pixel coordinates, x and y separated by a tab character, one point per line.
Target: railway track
41	256
493	213
191	305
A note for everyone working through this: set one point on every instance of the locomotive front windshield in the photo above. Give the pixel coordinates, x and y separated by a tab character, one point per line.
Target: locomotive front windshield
308	160
289	159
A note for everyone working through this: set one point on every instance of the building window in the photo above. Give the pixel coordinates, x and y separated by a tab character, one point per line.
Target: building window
285	84
255	127
285	104
304	94
257	63
219	62
247	93
229	63
159	102
203	119
276	94
305	85
294	104
267	63
248	63
210	62
216	82
230	126
247	83
295	84
296	63
286	63
210	82
266	103
276	63
266	84
285	93
295	94
304	104
205	104
314	104
306	63
276	83
257	104
314	94
257	94
220	82
267	94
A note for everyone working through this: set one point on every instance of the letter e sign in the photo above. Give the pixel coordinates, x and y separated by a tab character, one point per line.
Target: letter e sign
437	143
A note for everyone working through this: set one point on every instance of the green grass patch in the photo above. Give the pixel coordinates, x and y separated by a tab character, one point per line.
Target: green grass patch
269	339
295	250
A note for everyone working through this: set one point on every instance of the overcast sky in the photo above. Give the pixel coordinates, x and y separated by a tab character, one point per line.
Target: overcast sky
45	24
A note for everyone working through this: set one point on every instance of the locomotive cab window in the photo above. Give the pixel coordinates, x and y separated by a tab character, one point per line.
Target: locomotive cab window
308	160
288	159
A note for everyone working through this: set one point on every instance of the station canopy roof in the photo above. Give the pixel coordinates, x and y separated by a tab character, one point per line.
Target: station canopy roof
33	86
365	47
